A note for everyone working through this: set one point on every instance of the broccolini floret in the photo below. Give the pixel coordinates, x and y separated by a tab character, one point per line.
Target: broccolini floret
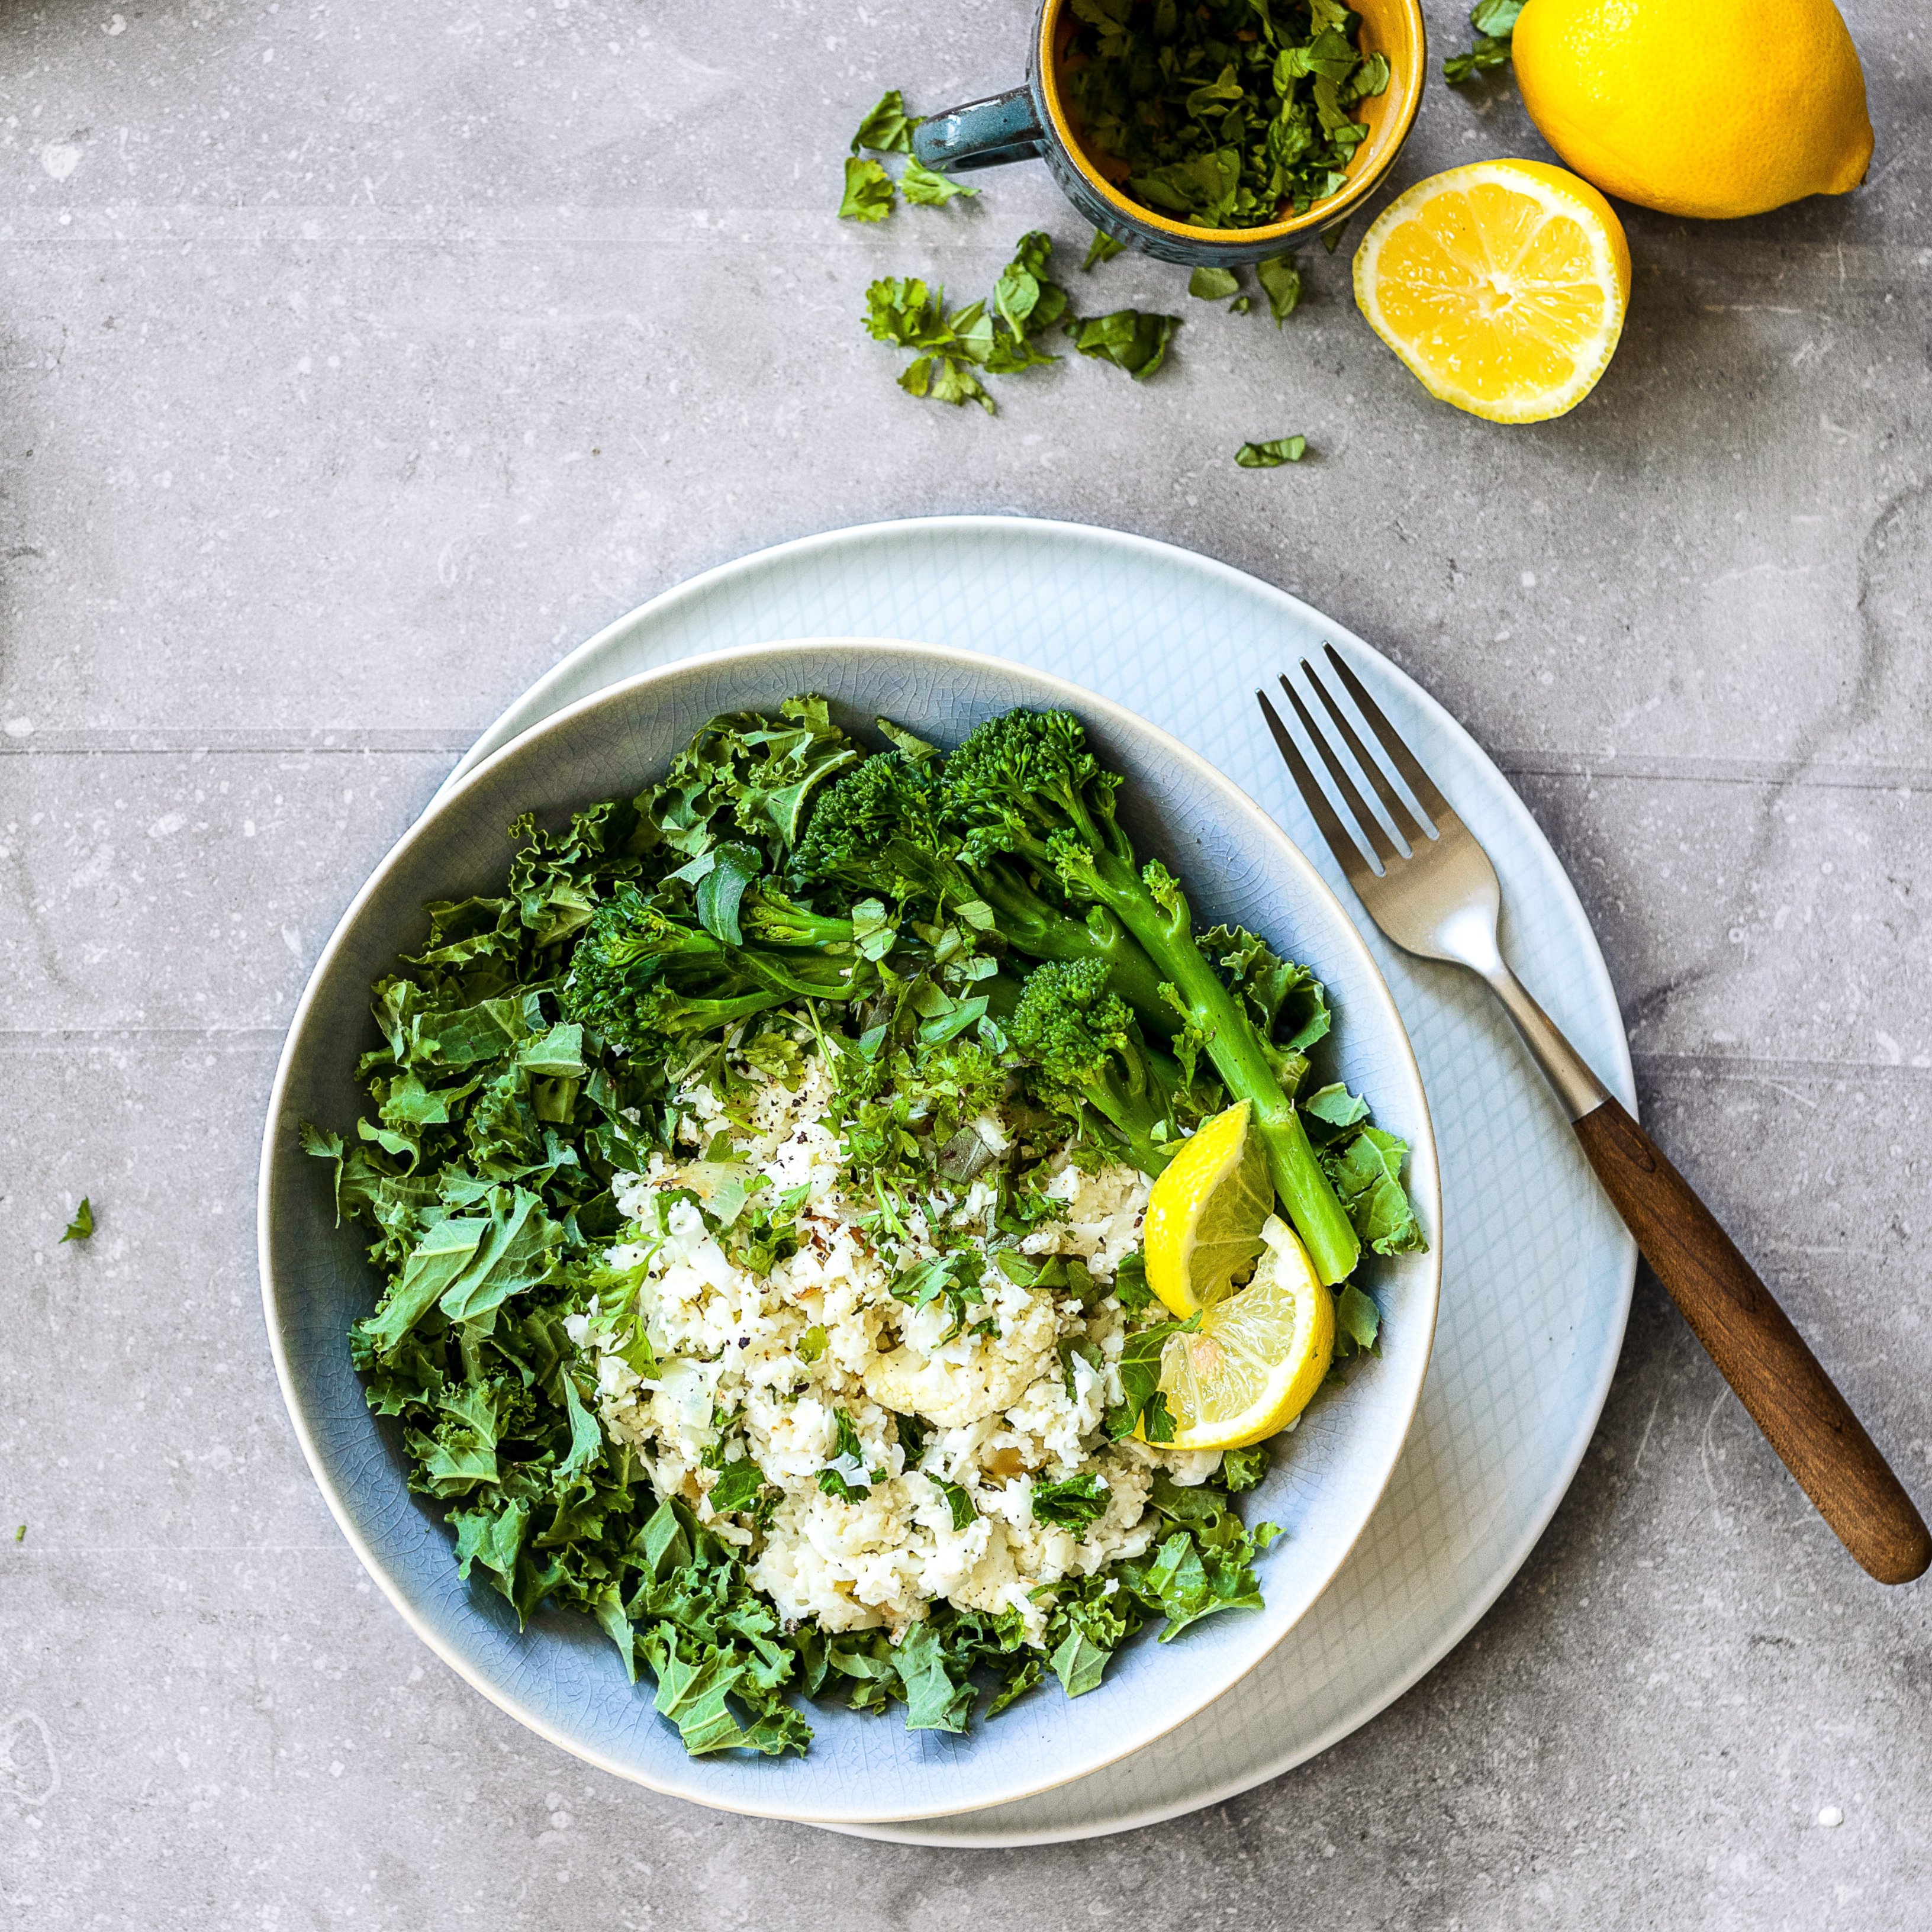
878	829
1087	1052
647	976
1026	785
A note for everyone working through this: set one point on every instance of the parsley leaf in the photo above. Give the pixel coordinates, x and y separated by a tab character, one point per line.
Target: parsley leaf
81	1228
929	188
1141	1403
1077	1504
868	191
1272	455
1129	338
1243	1468
1130	1283
1213	284
904	311
737	1486
1280	278
887	129
1102	248
958	1499
1495	22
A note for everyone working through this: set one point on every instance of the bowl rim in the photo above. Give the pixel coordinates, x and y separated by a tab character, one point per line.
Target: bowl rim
1424	1181
1387	140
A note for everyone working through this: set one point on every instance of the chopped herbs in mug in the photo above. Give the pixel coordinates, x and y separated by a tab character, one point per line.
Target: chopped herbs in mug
1227	113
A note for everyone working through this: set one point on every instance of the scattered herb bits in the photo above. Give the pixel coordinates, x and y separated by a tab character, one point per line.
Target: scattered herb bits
1102	248
868	192
888	129
871	192
1280	279
81	1228
1130	338
1213	284
1495	22
1272	455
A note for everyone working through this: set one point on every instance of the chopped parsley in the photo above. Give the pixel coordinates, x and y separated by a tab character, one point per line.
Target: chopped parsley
1272	455
81	1228
1227	113
1495	22
870	194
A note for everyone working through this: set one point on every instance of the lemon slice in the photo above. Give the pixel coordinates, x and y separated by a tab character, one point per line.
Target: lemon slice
1502	285
1205	1209
1258	1358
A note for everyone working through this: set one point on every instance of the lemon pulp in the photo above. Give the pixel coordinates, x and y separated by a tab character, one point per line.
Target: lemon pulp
1502	285
1257	1356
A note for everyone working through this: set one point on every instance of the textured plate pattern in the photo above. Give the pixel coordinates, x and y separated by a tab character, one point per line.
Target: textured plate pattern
562	1677
1537	1269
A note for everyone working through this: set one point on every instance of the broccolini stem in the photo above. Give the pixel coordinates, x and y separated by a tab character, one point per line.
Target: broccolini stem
1166	931
1029	926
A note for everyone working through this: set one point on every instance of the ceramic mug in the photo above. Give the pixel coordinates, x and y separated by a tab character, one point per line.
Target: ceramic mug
1036	121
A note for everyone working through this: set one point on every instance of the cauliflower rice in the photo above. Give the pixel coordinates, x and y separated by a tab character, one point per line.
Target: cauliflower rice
745	1367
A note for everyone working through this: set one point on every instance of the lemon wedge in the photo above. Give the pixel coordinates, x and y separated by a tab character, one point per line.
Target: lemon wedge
1257	1358
1205	1209
1502	285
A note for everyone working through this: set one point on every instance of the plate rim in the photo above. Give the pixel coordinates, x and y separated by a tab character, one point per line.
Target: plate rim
1425	1174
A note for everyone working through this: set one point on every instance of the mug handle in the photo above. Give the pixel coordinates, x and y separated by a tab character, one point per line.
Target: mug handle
982	133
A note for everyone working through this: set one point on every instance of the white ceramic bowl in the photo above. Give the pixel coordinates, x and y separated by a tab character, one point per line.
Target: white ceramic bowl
561	1677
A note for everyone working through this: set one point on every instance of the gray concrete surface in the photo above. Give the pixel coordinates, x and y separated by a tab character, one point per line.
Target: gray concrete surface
358	359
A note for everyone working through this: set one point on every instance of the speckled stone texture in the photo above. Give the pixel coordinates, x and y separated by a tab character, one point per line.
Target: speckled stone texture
357	360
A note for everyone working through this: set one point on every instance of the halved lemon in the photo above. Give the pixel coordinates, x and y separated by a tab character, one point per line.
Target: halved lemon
1502	285
1258	1358
1205	1209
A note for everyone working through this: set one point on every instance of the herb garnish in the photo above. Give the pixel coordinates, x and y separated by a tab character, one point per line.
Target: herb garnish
1225	112
870	190
81	1228
1272	455
1495	22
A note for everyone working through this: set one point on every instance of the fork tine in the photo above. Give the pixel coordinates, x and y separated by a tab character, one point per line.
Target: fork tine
1372	826
1403	818
1405	760
1348	854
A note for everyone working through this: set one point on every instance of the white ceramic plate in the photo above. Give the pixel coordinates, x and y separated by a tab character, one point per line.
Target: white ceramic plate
1538	1270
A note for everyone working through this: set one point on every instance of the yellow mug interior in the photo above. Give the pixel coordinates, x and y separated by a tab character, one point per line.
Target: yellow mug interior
1391	27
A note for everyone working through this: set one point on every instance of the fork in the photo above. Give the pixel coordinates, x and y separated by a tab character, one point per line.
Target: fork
1435	894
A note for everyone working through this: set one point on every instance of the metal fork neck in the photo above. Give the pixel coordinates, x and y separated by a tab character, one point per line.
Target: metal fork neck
1576	1086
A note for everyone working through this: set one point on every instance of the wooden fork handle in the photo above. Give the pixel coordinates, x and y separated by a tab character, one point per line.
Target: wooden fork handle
1757	1350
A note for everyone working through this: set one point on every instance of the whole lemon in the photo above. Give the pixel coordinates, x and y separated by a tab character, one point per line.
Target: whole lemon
1712	108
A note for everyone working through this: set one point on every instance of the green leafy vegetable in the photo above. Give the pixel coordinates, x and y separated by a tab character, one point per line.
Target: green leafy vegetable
737	1486
1280	278
1213	284
1367	1172
930	188
1103	247
887	129
81	1228
1272	455
868	191
1227	113
1129	338
1357	1318
904	312
1243	1468
1076	1504
1495	22
958	1499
